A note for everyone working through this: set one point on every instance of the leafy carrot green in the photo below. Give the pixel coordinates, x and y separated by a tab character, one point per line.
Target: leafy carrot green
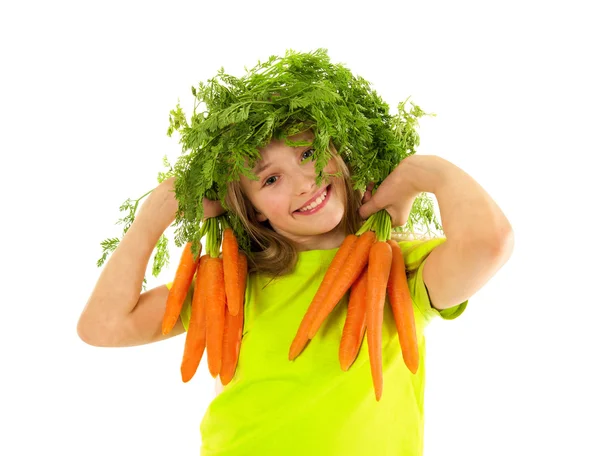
234	116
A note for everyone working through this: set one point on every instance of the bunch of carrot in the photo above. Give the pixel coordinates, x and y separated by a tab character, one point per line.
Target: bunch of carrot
217	315
369	264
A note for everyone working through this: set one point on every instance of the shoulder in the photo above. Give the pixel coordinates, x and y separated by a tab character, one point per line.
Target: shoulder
415	251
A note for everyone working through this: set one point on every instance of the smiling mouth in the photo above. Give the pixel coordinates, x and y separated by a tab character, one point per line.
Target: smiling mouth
319	206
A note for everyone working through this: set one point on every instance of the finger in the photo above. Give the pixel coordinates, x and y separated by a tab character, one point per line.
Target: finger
368	209
214	205
368	192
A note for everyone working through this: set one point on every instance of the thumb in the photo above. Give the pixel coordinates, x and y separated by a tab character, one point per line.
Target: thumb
367	209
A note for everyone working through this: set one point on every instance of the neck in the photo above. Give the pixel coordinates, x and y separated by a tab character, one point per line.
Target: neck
326	241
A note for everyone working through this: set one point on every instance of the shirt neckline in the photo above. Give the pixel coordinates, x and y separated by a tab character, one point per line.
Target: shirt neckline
311	256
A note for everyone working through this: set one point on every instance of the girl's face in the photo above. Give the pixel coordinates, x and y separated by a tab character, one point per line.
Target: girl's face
287	196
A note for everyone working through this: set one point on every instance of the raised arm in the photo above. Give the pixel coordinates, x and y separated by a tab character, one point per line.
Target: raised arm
116	314
479	237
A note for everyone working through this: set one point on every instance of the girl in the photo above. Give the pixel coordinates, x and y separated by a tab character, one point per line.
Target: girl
296	224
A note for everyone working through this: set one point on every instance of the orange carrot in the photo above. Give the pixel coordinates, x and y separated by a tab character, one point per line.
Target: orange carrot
195	339
351	269
336	264
356	322
181	284
380	263
215	313
402	308
232	333
230	267
243	274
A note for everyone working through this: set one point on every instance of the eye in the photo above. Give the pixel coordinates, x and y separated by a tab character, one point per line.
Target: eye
311	152
268	179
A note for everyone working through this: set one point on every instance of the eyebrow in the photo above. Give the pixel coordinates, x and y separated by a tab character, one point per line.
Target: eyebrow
261	168
264	166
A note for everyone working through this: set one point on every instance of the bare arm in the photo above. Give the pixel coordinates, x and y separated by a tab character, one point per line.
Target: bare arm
479	237
119	317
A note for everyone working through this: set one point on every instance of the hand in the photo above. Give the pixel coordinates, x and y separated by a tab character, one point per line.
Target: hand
161	206
396	195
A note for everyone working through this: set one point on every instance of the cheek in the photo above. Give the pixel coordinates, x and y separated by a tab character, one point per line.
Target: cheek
275	204
279	205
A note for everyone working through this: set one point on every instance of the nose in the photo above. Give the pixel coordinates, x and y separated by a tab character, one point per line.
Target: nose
305	182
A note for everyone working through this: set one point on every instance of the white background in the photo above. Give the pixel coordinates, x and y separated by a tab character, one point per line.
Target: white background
85	93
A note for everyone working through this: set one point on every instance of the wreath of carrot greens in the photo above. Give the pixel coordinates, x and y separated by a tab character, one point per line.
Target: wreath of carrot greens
233	117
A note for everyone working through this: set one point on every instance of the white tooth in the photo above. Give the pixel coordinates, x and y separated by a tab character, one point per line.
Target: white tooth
315	203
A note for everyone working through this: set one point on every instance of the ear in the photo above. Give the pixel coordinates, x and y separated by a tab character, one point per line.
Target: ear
260	217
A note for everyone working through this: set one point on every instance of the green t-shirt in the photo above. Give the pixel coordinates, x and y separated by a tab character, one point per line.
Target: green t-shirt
309	406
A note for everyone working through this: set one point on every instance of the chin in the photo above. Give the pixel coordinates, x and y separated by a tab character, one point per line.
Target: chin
330	224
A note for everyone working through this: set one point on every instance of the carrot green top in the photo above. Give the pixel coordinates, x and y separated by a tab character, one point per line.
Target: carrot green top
309	405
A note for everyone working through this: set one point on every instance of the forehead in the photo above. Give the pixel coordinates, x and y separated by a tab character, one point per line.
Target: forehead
279	144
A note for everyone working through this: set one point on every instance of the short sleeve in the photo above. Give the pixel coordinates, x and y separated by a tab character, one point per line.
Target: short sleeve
186	309
415	253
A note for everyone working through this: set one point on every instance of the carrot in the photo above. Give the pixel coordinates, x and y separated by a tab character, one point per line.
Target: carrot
380	263
232	332
356	322
242	275
195	339
230	266
351	269
181	284
336	264
215	313
402	308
